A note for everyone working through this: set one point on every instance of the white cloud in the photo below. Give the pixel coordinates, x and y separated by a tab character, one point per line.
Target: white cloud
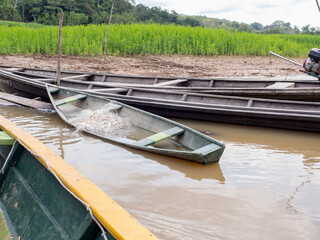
297	12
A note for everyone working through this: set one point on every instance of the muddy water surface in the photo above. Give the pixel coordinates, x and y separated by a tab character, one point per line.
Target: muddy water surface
266	186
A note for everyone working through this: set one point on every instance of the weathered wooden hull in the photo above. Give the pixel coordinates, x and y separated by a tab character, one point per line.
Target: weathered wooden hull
239	110
297	94
189	144
272	88
25	87
224	116
245	111
43	197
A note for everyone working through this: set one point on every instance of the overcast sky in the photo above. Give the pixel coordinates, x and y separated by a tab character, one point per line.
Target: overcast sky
297	12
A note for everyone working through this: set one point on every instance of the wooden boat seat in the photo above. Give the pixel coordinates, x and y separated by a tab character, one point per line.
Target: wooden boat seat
70	99
6	139
279	85
160	136
52	81
207	149
171	82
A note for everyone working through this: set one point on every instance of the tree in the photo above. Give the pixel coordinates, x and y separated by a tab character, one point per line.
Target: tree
296	30
257	26
73	18
190	21
306	29
8	11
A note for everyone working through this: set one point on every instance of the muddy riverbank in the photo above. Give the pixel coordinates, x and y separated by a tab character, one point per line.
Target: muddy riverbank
224	66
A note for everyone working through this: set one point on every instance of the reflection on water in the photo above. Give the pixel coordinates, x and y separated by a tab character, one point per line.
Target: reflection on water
306	143
266	186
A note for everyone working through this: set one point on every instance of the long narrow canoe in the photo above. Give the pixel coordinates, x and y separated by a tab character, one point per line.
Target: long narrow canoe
43	197
230	109
296	115
133	127
272	88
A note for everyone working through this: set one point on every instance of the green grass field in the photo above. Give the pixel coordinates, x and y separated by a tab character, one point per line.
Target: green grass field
133	39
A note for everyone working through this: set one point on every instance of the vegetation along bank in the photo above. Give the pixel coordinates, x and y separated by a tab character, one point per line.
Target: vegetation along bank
137	39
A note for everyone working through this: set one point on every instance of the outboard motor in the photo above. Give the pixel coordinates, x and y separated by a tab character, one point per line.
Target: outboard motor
312	63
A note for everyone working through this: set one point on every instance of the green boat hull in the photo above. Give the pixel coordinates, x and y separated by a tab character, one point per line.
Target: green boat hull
44	197
157	134
37	206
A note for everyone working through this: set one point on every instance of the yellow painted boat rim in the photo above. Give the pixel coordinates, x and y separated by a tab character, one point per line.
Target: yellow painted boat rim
110	215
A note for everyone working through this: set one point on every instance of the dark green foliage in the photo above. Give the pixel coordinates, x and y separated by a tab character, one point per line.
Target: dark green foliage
190	21
73	18
84	12
79	12
8	11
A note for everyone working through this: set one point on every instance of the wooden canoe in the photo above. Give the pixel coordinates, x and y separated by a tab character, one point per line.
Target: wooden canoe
296	115
217	108
132	127
272	88
43	197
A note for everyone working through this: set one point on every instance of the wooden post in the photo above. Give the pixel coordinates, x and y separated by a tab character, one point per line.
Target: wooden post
318	5
59	49
105	39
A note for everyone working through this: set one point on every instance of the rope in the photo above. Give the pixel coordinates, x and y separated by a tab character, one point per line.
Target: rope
88	208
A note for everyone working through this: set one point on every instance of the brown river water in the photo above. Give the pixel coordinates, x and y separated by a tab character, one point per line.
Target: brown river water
266	185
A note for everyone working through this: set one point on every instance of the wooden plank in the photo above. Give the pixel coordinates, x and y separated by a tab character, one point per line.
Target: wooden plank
70	99
250	102
45	80
104	78
54	90
171	82
281	85
106	90
156	80
78	76
5	102
127	85
13	69
25	101
207	149
159	136
6	139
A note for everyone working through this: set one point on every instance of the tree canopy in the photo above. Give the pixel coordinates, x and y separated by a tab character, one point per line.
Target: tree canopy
78	12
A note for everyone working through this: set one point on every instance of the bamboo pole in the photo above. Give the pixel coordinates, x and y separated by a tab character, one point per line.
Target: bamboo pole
59	49
105	39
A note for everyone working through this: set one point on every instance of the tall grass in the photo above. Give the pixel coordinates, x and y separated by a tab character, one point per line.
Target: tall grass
132	39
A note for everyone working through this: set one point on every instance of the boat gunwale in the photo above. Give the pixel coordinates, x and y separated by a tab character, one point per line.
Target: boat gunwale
159	77
212	106
121	224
